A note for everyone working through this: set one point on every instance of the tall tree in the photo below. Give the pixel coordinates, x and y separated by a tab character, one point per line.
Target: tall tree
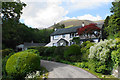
11	12
113	28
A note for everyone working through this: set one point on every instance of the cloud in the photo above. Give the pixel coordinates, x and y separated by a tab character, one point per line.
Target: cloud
86	17
44	13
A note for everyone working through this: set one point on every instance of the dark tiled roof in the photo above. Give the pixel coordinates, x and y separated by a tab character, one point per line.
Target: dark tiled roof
66	30
71	30
34	44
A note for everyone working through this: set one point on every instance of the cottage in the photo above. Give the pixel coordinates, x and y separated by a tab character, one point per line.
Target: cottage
63	37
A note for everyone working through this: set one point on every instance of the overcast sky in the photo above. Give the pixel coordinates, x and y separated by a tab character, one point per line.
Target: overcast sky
44	13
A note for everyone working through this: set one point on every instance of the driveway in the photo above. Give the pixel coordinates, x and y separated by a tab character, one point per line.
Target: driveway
62	71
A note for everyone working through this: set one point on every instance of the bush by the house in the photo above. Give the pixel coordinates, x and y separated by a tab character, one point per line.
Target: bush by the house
72	53
40	49
49	51
105	53
85	47
59	53
21	63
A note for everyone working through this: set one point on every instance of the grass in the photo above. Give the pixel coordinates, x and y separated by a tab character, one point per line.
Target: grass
99	75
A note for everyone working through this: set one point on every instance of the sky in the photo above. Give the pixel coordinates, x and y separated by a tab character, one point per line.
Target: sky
44	13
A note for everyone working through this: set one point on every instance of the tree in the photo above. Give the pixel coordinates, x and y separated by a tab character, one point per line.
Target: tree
104	33
89	30
113	28
11	12
59	26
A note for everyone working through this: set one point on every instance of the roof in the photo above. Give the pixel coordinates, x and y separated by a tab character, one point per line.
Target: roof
66	30
71	30
34	44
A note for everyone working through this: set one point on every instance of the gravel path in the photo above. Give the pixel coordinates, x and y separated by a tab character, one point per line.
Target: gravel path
60	70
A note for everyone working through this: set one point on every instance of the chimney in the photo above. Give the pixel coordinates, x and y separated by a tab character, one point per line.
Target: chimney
55	29
83	24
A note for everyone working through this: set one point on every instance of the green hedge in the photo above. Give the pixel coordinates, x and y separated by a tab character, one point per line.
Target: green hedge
72	53
21	63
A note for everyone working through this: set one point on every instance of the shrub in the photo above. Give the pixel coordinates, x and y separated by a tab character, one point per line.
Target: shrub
105	53
85	46
6	52
32	51
115	55
49	58
59	52
40	49
81	65
21	63
49	51
4	73
72	53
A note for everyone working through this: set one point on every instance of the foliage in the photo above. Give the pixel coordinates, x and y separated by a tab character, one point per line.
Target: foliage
104	33
76	40
49	51
40	49
59	52
21	63
88	30
113	24
6	52
59	26
4	60
81	64
106	55
72	53
115	55
14	32
85	46
12	10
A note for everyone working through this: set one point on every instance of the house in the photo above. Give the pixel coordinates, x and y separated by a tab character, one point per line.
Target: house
26	45
64	36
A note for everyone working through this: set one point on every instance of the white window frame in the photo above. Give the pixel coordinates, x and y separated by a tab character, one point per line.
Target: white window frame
55	37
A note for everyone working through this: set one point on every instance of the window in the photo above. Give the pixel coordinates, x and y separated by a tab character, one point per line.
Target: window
54	44
63	36
55	37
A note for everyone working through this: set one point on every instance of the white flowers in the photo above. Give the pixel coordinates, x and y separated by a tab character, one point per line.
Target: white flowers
33	75
101	50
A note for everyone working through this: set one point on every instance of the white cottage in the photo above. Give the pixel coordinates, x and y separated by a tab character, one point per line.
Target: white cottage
63	37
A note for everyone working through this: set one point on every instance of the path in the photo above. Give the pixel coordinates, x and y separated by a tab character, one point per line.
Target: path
60	70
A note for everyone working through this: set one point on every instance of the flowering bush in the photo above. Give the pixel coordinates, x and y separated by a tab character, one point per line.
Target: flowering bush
107	53
102	50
